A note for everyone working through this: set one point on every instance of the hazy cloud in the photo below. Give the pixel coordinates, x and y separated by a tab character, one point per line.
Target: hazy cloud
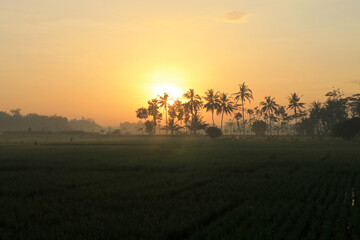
235	16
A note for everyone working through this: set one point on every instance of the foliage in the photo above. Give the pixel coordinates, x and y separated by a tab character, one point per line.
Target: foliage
347	129
244	94
226	106
212	102
197	123
18	122
150	127
213	132
173	126
259	127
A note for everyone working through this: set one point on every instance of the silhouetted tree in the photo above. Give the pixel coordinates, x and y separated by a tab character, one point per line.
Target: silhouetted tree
237	118
295	104
226	106
173	126
213	132
164	103
196	123
259	127
347	129
153	110
269	107
212	102
244	94
194	102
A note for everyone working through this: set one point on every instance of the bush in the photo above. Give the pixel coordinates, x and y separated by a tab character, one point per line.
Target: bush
259	128
213	132
347	129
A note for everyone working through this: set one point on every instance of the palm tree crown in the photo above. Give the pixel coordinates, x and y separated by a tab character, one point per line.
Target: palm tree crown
295	104
226	106
194	103
269	106
212	102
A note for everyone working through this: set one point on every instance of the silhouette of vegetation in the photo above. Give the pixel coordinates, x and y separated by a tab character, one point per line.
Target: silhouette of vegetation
244	94
319	119
213	132
347	129
15	121
212	102
259	127
269	107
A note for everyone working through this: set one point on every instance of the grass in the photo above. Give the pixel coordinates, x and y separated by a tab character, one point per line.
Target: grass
179	188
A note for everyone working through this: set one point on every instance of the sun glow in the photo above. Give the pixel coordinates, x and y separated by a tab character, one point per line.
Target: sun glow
166	81
172	90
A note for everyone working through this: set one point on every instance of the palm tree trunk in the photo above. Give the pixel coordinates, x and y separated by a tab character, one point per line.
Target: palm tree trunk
295	121
166	120
212	112
270	126
222	117
243	112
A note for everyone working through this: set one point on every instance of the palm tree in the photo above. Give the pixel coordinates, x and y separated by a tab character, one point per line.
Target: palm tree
212	102
194	103
163	102
269	107
245	94
172	126
250	112
294	103
237	117
226	106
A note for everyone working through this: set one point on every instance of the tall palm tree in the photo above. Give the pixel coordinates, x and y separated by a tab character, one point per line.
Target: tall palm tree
212	102
164	103
226	106
244	94
269	107
294	103
194	102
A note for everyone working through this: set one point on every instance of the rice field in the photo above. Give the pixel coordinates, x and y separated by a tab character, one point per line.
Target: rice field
179	188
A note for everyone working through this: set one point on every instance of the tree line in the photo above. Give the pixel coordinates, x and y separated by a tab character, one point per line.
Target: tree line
268	118
15	121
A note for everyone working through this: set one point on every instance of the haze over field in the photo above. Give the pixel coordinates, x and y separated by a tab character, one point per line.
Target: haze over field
105	59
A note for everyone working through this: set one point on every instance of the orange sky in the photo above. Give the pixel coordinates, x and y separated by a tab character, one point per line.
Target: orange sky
104	59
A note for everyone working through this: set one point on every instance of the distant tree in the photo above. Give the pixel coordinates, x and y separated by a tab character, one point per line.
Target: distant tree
194	103
226	106
164	103
213	132
237	118
153	110
244	94
315	112
196	123
347	129
259	127
212	102
142	113
296	105
150	127
251	113
16	112
354	105
173	126
269	107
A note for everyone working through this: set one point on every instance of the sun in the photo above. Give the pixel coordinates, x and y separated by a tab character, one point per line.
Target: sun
172	90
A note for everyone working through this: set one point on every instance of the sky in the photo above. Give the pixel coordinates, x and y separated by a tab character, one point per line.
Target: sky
105	59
